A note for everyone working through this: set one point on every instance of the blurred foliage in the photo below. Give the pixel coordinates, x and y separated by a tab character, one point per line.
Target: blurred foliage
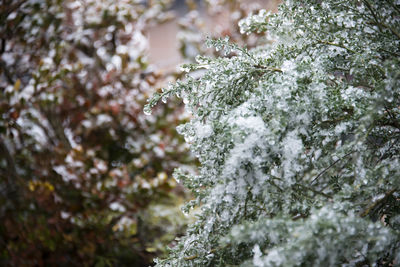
85	176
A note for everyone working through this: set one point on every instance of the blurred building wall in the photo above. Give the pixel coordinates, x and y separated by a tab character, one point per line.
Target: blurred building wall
163	42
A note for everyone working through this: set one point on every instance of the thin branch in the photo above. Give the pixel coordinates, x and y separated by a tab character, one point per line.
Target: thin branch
274	184
392	123
11	174
337	45
377	202
4	68
373	14
380	24
10	162
299	216
330	166
390	113
245	203
209	252
387	150
12	8
390	52
272	69
189	258
57	127
394	6
339	119
46	132
315	191
3	46
391	29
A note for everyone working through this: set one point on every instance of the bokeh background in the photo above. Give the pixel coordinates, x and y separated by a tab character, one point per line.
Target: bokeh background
86	176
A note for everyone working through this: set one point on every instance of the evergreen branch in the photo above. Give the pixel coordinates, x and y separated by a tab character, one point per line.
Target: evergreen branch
272	69
276	186
380	24
299	216
384	153
314	191
391	29
330	166
377	202
337	45
188	258
339	119
390	52
393	6
373	13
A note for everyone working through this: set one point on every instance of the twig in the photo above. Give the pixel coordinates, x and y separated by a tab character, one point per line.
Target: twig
299	216
57	127
12	175
377	202
373	13
390	52
12	8
3	46
6	72
315	191
267	68
10	162
274	184
391	29
393	5
330	166
379	23
209	252
337	45
384	153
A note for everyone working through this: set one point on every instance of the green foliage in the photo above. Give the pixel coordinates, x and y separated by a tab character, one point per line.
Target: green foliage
298	140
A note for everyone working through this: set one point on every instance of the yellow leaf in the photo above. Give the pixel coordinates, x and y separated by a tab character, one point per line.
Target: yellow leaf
17	85
133	229
115	228
150	249
31	186
49	186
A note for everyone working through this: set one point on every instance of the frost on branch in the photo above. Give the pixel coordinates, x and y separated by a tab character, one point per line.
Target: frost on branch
298	141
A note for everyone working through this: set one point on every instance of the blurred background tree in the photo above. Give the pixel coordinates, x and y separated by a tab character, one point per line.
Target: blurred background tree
84	174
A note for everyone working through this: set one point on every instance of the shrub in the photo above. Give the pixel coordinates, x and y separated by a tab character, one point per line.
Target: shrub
298	140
